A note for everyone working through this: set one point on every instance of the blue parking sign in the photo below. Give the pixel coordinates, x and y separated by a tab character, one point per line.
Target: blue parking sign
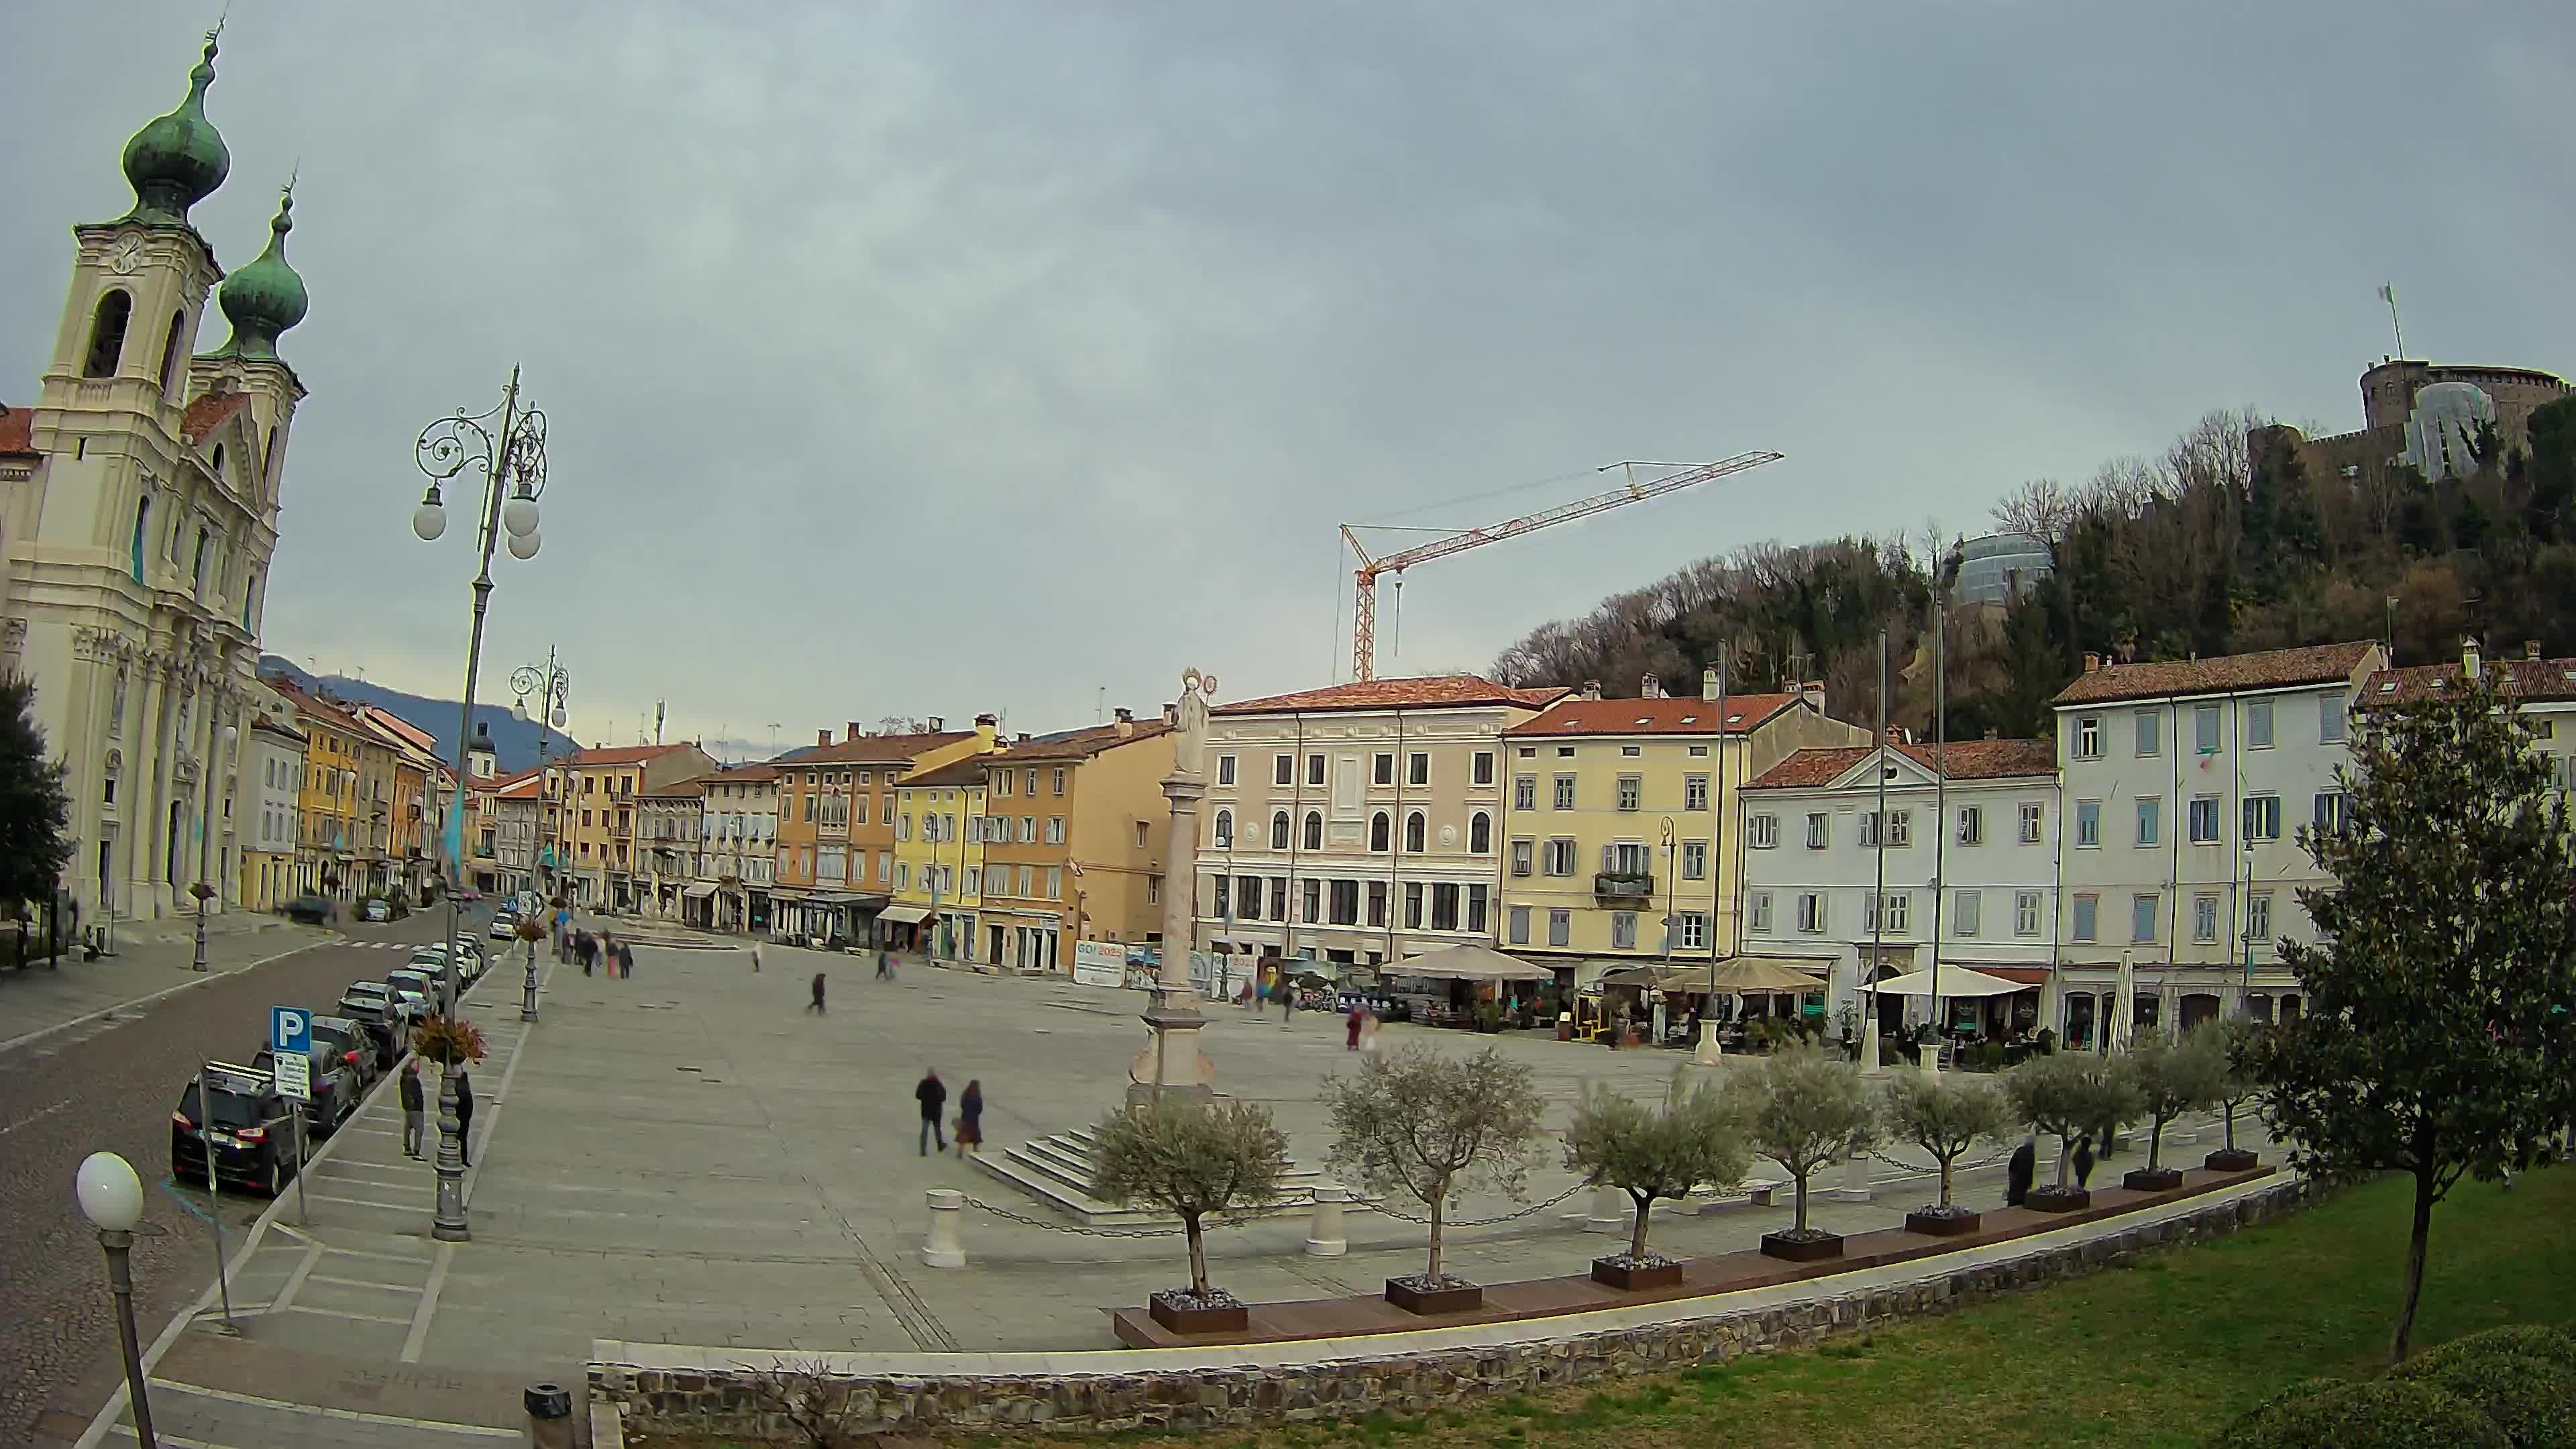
290	1030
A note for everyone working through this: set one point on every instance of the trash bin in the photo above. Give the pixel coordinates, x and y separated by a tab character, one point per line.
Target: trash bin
549	1416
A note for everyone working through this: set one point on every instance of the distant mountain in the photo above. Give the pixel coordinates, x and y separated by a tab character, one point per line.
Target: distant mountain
514	740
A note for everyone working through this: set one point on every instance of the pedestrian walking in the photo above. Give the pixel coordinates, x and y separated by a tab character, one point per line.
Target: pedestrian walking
755	958
970	1119
626	959
816	1005
1351	1029
1287	1004
885	964
2084	1160
464	1117
586	948
2019	1172
415	1108
1368	1030
932	1094
608	953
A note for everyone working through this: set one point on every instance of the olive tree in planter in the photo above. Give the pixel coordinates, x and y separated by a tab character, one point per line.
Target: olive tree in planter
1196	1163
1945	1116
2067	1096
1652	1153
2237	1041
1431	1125
2172	1077
1804	1110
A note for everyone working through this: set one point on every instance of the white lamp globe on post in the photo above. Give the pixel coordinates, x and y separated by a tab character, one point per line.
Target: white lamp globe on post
519	515
111	1197
429	520
523	546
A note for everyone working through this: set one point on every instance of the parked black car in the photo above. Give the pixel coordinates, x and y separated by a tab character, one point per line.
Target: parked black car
334	1082
361	1048
311	910
253	1135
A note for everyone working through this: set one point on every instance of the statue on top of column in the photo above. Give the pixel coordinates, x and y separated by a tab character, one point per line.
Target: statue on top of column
1189	739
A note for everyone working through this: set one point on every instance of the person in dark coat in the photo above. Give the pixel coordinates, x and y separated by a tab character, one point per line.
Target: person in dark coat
2018	1173
585	948
626	959
2084	1160
932	1094
816	1005
464	1118
415	1109
970	1118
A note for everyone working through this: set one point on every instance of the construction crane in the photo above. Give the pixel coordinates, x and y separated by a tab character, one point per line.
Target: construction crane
1364	611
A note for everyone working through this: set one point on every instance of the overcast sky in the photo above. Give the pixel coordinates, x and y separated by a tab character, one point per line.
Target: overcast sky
926	359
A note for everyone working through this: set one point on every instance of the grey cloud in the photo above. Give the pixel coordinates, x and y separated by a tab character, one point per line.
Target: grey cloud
889	350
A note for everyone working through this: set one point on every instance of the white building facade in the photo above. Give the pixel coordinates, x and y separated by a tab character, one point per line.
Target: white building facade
2185	784
1964	872
272	813
138	515
1359	823
737	863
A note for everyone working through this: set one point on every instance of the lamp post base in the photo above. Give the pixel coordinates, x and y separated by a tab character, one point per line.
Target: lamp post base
447	1222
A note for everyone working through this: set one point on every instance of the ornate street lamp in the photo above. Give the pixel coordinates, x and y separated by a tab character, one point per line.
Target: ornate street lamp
507	445
111	1197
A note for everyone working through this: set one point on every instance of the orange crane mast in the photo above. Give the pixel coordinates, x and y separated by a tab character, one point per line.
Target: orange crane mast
1364	610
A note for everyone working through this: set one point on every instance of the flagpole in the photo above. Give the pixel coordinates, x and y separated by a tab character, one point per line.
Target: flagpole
2388	294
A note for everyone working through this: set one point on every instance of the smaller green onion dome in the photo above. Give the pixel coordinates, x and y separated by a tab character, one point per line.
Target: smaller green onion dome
267	297
179	159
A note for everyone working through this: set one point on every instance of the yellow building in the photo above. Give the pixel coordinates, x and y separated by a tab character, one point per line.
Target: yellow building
1074	836
938	859
592	835
329	832
1622	813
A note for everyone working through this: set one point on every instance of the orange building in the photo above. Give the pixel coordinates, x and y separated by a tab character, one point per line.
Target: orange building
1075	843
836	809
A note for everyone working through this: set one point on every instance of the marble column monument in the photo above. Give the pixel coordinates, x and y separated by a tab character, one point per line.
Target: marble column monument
1172	1063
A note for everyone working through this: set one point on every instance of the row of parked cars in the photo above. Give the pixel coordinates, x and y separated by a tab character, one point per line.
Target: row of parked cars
251	1137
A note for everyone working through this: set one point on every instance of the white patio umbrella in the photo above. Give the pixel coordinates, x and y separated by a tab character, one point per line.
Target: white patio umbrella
2125	1008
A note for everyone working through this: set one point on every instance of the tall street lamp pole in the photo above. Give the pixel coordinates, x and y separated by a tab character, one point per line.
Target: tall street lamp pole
552	686
513	465
111	1197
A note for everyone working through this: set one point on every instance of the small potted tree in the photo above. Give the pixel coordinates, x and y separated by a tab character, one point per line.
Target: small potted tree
1195	1162
1651	1154
2171	1077
1804	1110
1431	1126
2237	1041
1945	1116
2067	1096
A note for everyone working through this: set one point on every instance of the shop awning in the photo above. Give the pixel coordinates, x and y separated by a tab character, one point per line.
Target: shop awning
699	891
1955	981
1469	963
905	915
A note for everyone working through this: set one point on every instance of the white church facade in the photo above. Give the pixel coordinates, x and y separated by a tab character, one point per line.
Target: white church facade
138	516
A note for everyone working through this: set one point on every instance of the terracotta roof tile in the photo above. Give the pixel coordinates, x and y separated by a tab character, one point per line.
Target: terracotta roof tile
2523	679
1967	760
17	430
742	774
622	755
2270	669
208	413
874	749
1438	691
1655	716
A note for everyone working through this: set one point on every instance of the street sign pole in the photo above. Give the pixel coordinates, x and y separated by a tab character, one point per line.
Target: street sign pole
214	1194
290	1052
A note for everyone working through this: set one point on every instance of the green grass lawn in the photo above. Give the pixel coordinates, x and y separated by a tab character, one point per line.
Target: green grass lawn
2161	1352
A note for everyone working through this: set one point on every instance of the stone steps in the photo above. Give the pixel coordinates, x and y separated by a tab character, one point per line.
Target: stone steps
1057	1171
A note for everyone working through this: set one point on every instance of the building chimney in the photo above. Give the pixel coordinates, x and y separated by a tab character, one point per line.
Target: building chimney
1171	716
2469	658
938	724
1813	692
1650	687
853	731
987	730
1708	685
1592	689
2530	648
1126	723
2092	662
1993	733
1024	737
822	737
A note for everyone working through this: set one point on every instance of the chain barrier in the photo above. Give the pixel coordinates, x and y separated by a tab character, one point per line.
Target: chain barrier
1026	1221
1376	1207
1934	1167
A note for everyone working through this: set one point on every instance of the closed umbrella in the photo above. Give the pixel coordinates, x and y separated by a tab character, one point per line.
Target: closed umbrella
2125	1010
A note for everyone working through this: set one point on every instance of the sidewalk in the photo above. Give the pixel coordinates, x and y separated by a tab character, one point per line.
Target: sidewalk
153	959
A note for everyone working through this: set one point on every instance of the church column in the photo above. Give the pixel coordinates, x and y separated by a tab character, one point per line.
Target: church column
146	816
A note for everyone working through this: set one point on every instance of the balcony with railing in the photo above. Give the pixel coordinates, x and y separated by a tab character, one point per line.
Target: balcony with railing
1621	885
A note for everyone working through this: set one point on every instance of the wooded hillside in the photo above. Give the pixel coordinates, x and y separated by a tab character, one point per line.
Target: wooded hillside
2219	545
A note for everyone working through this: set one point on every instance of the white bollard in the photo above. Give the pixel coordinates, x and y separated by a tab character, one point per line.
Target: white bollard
1855	1186
1708	1053
1324	1231
943	1250
1610	1209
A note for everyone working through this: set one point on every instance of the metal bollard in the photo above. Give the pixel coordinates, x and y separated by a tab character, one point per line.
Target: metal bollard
943	1250
549	1416
1324	1232
1611	1209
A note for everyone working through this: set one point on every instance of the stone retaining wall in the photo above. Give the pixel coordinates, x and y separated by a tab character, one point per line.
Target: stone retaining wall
733	1399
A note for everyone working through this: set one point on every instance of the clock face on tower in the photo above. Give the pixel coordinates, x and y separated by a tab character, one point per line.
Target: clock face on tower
126	255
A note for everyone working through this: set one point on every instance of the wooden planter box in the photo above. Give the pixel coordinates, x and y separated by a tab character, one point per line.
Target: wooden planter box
1801	1250
1437	1300
2161	1179
1611	1274
1938	1226
1234	1319
2053	1199
2231	1159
